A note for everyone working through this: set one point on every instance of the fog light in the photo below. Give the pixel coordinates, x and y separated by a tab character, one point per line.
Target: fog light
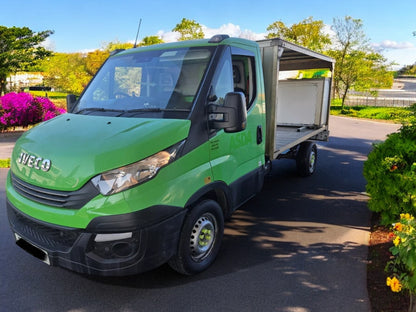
122	249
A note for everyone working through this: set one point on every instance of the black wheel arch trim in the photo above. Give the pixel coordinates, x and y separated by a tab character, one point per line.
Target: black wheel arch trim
222	194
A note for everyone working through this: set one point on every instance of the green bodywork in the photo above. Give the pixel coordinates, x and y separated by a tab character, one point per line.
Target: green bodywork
83	146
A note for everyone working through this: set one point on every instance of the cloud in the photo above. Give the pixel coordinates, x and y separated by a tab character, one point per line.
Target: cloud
169	36
389	44
227	29
233	31
48	44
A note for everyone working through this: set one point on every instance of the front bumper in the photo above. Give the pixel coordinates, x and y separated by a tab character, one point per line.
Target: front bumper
110	246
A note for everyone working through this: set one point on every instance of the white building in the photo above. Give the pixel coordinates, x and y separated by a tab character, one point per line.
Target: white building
22	80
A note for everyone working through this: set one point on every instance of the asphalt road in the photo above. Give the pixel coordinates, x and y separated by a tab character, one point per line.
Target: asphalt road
300	245
402	88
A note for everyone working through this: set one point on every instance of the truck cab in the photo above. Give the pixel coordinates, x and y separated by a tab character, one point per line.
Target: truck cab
164	143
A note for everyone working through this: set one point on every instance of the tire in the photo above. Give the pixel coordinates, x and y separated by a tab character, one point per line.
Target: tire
200	238
306	159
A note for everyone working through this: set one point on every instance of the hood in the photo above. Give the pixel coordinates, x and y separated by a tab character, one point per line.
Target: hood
67	151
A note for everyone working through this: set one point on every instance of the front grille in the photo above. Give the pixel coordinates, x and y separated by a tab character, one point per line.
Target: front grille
62	199
53	238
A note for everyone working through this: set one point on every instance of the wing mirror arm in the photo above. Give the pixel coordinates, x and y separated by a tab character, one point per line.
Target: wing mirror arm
71	101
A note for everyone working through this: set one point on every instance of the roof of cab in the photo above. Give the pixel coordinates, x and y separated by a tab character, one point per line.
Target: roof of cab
213	41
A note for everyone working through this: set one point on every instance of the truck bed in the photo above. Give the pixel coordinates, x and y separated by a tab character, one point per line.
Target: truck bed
287	137
296	109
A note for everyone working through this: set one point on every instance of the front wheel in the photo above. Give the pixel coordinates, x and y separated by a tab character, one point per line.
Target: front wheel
200	238
306	159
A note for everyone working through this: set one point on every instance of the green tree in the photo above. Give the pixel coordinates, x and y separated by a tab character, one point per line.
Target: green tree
407	70
67	72
71	72
357	67
95	59
115	45
307	33
19	49
151	40
189	29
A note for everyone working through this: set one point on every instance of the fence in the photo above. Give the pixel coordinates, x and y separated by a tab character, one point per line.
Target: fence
377	101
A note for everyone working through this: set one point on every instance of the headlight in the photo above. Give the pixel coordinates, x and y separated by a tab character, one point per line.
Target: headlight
123	178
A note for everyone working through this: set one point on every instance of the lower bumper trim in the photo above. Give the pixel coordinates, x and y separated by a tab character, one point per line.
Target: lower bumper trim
148	246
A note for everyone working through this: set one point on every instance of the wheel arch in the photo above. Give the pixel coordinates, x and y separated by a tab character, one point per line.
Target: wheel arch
218	191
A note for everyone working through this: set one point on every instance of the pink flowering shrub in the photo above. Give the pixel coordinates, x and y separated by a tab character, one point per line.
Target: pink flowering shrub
22	109
49	110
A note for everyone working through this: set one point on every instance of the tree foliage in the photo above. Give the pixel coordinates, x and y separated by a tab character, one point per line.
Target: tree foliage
19	49
67	72
408	70
94	60
357	67
151	40
307	33
71	72
189	30
115	45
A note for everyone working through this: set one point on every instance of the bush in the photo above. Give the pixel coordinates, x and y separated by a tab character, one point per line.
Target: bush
390	172
5	163
22	109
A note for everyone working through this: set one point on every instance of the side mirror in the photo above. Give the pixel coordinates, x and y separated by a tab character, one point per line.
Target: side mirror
71	100
232	117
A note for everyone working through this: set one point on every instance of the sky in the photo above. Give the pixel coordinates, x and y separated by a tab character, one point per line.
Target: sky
86	25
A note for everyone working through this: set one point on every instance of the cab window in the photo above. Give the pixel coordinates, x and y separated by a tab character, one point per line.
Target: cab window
244	77
223	80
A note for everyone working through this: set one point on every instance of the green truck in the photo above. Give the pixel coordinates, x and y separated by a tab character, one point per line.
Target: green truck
163	145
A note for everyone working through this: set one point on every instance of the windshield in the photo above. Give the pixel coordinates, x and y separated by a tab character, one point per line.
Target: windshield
160	83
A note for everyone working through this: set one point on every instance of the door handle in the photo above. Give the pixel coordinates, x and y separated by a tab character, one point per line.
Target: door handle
259	134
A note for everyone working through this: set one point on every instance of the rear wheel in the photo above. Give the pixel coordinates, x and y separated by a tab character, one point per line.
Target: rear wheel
306	159
200	238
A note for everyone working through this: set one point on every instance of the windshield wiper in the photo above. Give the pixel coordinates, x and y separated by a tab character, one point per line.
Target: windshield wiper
156	110
100	109
136	110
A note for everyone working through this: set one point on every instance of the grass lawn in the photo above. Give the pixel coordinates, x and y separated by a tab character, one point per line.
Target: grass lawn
49	94
393	114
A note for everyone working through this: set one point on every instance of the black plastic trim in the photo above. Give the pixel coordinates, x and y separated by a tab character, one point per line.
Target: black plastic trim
62	199
152	244
247	186
132	221
43	234
222	195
